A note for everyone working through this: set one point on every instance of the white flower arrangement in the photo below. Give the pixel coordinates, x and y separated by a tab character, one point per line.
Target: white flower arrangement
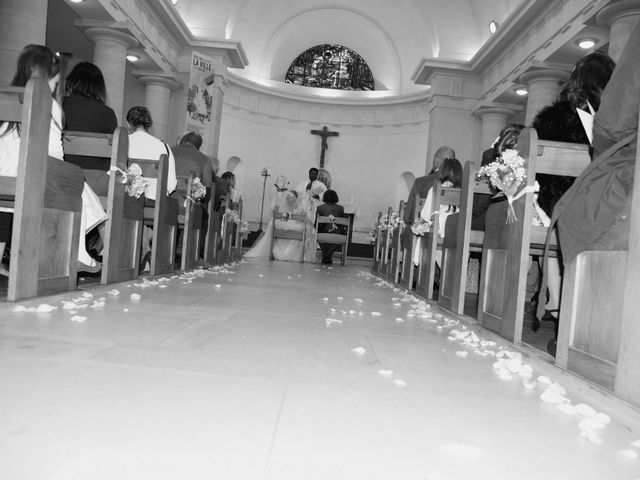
244	226
421	226
231	216
135	186
198	191
506	174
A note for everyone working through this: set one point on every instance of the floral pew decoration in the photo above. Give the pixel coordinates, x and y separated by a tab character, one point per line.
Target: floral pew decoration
387	222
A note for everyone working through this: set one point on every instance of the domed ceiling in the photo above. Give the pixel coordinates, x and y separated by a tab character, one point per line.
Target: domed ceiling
393	37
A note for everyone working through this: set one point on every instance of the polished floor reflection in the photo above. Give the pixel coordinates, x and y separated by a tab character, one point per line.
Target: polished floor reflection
276	370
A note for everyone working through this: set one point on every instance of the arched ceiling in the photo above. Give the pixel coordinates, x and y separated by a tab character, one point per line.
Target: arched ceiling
393	37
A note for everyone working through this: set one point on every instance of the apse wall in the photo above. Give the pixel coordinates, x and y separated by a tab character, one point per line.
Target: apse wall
379	141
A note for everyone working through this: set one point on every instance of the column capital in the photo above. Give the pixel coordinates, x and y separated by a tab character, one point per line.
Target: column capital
492	110
617	10
541	74
157	77
114	31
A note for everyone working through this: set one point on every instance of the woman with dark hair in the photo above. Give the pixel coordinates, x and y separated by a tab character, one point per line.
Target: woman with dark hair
329	207
39	61
144	145
85	111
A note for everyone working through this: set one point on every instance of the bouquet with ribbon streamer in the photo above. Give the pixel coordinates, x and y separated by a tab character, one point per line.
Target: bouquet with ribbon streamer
507	174
198	192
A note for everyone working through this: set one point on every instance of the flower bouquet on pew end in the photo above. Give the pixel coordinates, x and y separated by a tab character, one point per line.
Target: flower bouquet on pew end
507	174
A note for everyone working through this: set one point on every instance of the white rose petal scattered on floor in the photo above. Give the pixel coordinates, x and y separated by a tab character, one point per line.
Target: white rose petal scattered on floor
589	423
87	295
361	313
529	384
566	408
628	453
635	443
602	418
260	275
397	304
340	298
19	308
399	319
359	350
135	296
114	292
98	304
585	410
125	310
45	308
544	380
217	285
162	286
325	299
78	318
467	452
329	321
462	354
375	314
289	277
399	383
359	300
385	373
553	397
592	436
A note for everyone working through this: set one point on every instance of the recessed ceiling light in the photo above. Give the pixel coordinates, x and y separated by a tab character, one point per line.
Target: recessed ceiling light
493	26
174	1
76	1
133	58
587	43
521	91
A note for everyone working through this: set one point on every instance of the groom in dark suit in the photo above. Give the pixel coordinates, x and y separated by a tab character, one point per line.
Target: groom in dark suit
329	207
421	186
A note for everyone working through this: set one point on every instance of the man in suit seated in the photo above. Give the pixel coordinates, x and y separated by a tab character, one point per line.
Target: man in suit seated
330	207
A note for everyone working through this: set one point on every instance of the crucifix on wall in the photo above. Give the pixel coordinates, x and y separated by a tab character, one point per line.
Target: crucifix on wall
324	133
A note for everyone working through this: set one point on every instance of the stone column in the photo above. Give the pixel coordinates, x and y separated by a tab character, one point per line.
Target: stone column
544	85
494	119
158	86
621	16
21	22
110	55
217	90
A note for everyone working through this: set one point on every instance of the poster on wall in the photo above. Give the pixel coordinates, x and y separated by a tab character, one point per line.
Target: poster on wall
199	99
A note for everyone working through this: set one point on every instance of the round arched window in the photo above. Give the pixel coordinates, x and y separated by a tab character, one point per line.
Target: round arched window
330	66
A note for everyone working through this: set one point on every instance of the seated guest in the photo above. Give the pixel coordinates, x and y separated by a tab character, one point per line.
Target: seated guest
39	61
85	111
560	122
188	158
144	145
329	207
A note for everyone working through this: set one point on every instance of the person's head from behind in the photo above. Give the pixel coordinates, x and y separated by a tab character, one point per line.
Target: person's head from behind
230	178
139	117
588	78
35	61
87	80
330	196
441	155
451	171
192	138
313	174
508	139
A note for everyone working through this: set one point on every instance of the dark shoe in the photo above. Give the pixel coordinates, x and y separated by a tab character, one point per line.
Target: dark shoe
146	260
93	253
547	317
551	346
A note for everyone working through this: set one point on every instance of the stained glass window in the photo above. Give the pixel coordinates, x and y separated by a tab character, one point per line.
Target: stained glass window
331	66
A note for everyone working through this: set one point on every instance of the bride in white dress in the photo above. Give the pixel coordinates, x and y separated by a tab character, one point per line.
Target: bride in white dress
288	203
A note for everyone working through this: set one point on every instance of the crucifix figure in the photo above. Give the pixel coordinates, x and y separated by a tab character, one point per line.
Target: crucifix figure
324	133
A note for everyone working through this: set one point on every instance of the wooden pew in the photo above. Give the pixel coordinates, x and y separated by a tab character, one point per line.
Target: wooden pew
213	230
385	254
377	246
123	229
599	329
507	246
337	238
227	233
190	220
395	262
459	241
161	215
46	197
408	269
433	240
236	253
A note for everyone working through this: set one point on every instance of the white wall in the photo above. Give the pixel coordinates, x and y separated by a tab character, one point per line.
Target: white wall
365	162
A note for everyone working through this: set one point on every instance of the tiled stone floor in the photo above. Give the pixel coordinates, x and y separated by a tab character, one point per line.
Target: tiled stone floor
237	375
